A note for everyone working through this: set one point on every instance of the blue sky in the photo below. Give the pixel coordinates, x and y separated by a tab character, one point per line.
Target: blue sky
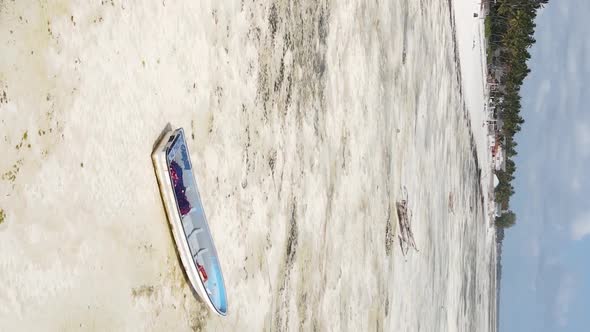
546	261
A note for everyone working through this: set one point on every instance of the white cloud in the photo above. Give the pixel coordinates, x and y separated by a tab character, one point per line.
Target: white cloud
582	131
581	226
564	9
575	183
534	247
542	94
558	227
572	59
551	261
563	299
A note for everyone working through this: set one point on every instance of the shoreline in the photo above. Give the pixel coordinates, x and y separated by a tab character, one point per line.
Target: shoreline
475	94
466	114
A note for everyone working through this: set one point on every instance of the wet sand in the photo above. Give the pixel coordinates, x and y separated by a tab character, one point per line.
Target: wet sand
305	119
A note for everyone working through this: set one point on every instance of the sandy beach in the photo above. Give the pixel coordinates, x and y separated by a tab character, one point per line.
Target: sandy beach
304	119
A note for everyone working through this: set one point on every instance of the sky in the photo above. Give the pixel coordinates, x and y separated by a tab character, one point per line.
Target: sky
546	255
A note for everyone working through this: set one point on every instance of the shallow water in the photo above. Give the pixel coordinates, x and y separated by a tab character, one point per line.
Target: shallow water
305	121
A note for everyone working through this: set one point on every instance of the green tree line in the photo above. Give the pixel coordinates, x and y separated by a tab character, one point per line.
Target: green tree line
510	29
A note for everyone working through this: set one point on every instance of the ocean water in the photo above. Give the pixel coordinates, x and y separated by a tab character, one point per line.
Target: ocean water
304	119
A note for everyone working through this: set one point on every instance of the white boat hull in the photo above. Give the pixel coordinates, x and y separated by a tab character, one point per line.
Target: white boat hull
190	258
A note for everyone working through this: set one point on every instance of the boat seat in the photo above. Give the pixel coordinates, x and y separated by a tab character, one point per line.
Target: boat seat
195	231
200	252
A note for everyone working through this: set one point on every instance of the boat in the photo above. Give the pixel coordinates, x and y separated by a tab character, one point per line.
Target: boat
184	208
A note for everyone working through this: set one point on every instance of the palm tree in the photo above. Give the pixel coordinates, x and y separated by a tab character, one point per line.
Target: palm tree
506	220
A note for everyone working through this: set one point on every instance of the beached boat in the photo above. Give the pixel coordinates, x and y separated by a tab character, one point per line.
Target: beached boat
187	218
